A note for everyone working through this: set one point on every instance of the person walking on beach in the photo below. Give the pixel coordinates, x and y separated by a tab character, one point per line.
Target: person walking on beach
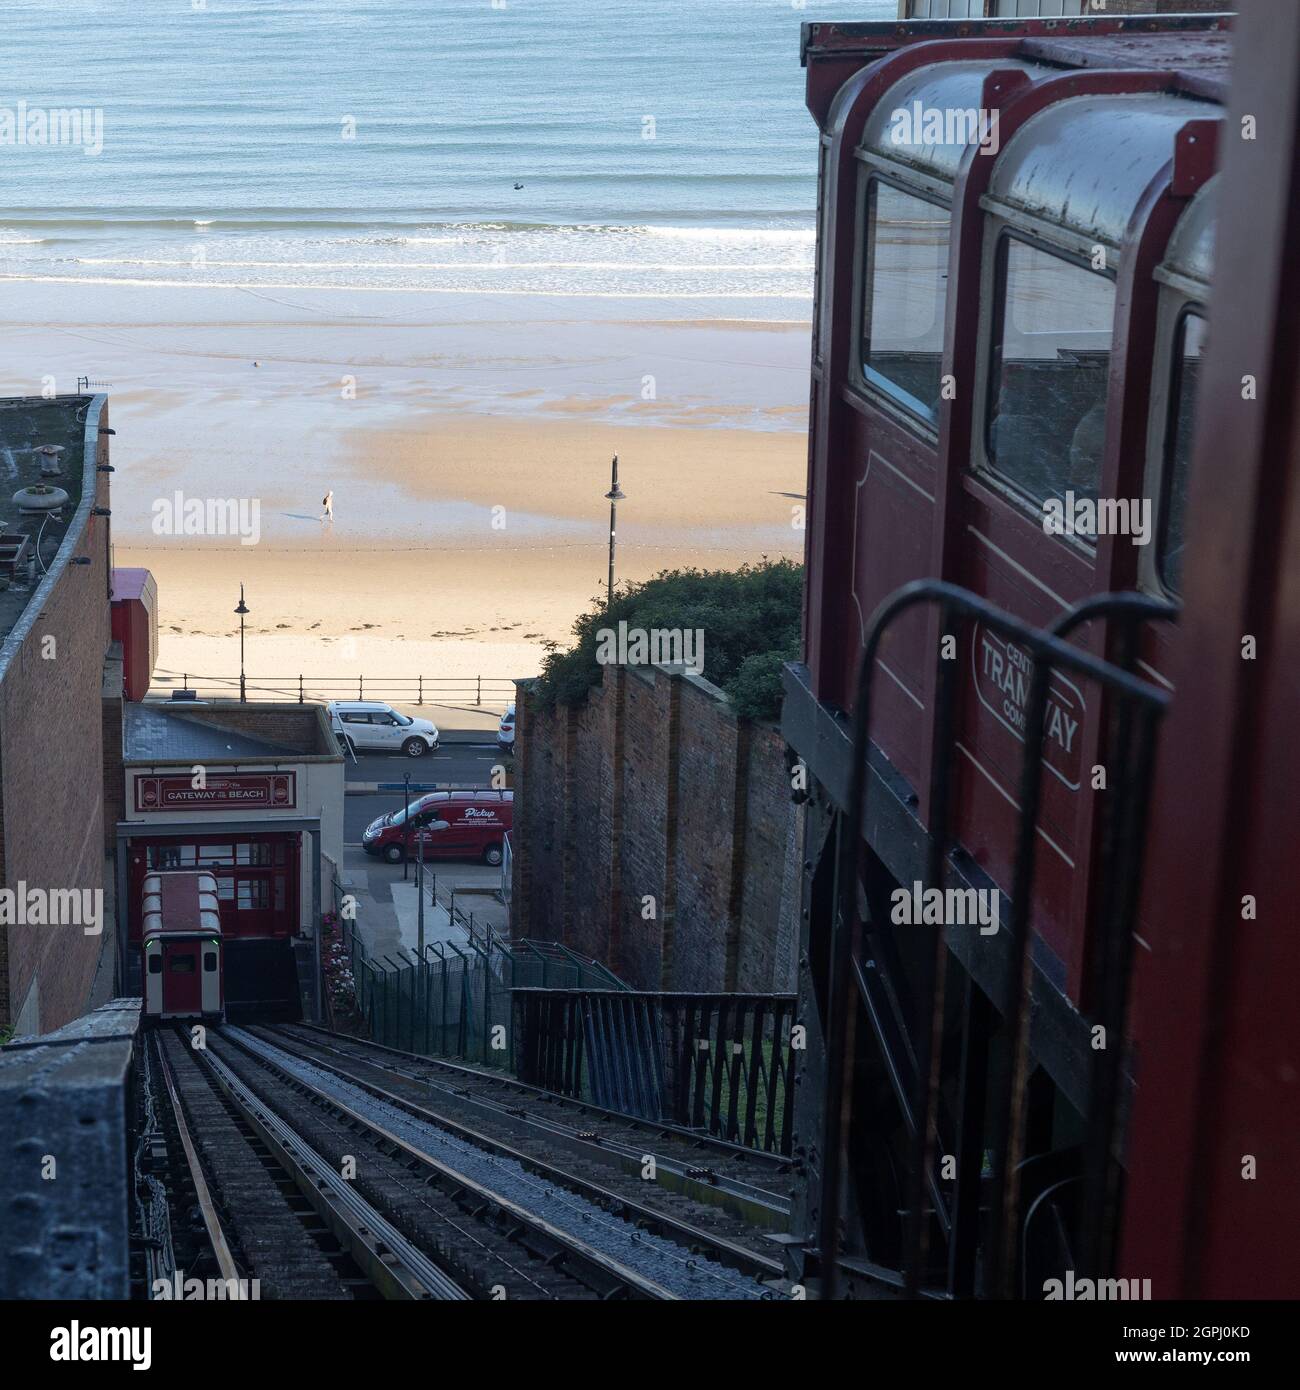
328	502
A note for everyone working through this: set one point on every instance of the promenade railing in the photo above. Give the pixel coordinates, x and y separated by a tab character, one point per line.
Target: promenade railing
475	691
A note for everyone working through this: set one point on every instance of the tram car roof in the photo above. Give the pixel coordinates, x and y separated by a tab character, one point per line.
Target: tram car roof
182	903
1194	50
1084	164
1189	258
1081	165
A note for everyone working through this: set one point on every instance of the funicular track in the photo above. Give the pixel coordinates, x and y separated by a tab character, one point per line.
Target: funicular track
497	1230
256	1223
321	1184
717	1198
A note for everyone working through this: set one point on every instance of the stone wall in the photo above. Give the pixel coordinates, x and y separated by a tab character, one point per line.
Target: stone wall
51	767
654	831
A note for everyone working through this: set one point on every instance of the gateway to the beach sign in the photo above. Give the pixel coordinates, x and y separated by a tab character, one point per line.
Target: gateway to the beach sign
246	791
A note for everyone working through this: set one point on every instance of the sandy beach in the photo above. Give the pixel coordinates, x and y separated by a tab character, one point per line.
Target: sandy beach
467	446
486	589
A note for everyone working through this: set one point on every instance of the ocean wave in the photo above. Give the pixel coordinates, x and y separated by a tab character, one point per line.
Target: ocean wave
512	292
685	223
636	267
794	236
493	257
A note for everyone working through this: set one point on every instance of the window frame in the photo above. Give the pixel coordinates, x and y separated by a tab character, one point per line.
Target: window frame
820	245
878	392
1174	309
999	233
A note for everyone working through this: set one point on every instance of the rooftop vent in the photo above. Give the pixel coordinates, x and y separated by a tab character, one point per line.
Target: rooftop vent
38	498
51	461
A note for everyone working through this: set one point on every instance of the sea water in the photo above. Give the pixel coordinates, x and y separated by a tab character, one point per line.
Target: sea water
664	157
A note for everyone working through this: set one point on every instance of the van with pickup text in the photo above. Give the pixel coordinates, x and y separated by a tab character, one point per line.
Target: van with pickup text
449	825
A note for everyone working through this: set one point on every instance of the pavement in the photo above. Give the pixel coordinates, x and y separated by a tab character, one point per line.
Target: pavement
388	905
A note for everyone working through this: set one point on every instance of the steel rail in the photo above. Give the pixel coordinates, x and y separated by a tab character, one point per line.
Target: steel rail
636	1284
772	1208
725	1251
395	1266
741	1152
211	1221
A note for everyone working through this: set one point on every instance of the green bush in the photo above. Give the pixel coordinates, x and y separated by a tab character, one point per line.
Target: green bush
750	620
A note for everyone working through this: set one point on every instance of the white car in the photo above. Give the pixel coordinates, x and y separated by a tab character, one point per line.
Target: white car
369	726
506	730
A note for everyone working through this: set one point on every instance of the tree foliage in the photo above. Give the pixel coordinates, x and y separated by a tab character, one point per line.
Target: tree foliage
749	619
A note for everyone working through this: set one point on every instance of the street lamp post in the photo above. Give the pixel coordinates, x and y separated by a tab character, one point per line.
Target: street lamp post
615	496
242	610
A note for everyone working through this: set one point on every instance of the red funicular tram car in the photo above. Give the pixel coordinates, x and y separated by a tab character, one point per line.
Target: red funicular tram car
1016	258
181	925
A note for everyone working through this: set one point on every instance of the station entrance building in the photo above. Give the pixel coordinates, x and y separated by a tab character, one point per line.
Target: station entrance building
252	793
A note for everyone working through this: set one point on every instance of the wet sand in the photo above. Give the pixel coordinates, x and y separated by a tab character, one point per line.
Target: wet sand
468	459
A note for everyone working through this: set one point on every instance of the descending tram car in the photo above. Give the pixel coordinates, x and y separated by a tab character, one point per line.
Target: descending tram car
182	947
1007	598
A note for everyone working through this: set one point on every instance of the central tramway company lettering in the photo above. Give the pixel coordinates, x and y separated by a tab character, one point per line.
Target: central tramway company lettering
1002	672
1009	671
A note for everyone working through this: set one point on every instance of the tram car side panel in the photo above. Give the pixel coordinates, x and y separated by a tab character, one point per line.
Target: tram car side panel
1000	333
1211	1200
892	509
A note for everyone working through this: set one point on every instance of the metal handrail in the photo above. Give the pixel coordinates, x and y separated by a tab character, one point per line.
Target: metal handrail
1048	650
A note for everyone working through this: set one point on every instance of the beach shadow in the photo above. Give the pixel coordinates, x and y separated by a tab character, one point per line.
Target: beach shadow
299	516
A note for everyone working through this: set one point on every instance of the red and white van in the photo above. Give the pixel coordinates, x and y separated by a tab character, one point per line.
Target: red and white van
451	825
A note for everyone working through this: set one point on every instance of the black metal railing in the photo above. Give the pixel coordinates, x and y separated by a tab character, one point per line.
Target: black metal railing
717	1063
977	1110
457	1001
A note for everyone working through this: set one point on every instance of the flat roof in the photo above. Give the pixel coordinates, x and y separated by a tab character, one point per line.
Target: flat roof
27	423
156	733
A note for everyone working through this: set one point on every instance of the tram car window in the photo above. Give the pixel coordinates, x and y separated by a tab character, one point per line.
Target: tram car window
904	290
1184	277
1173	502
1049	364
